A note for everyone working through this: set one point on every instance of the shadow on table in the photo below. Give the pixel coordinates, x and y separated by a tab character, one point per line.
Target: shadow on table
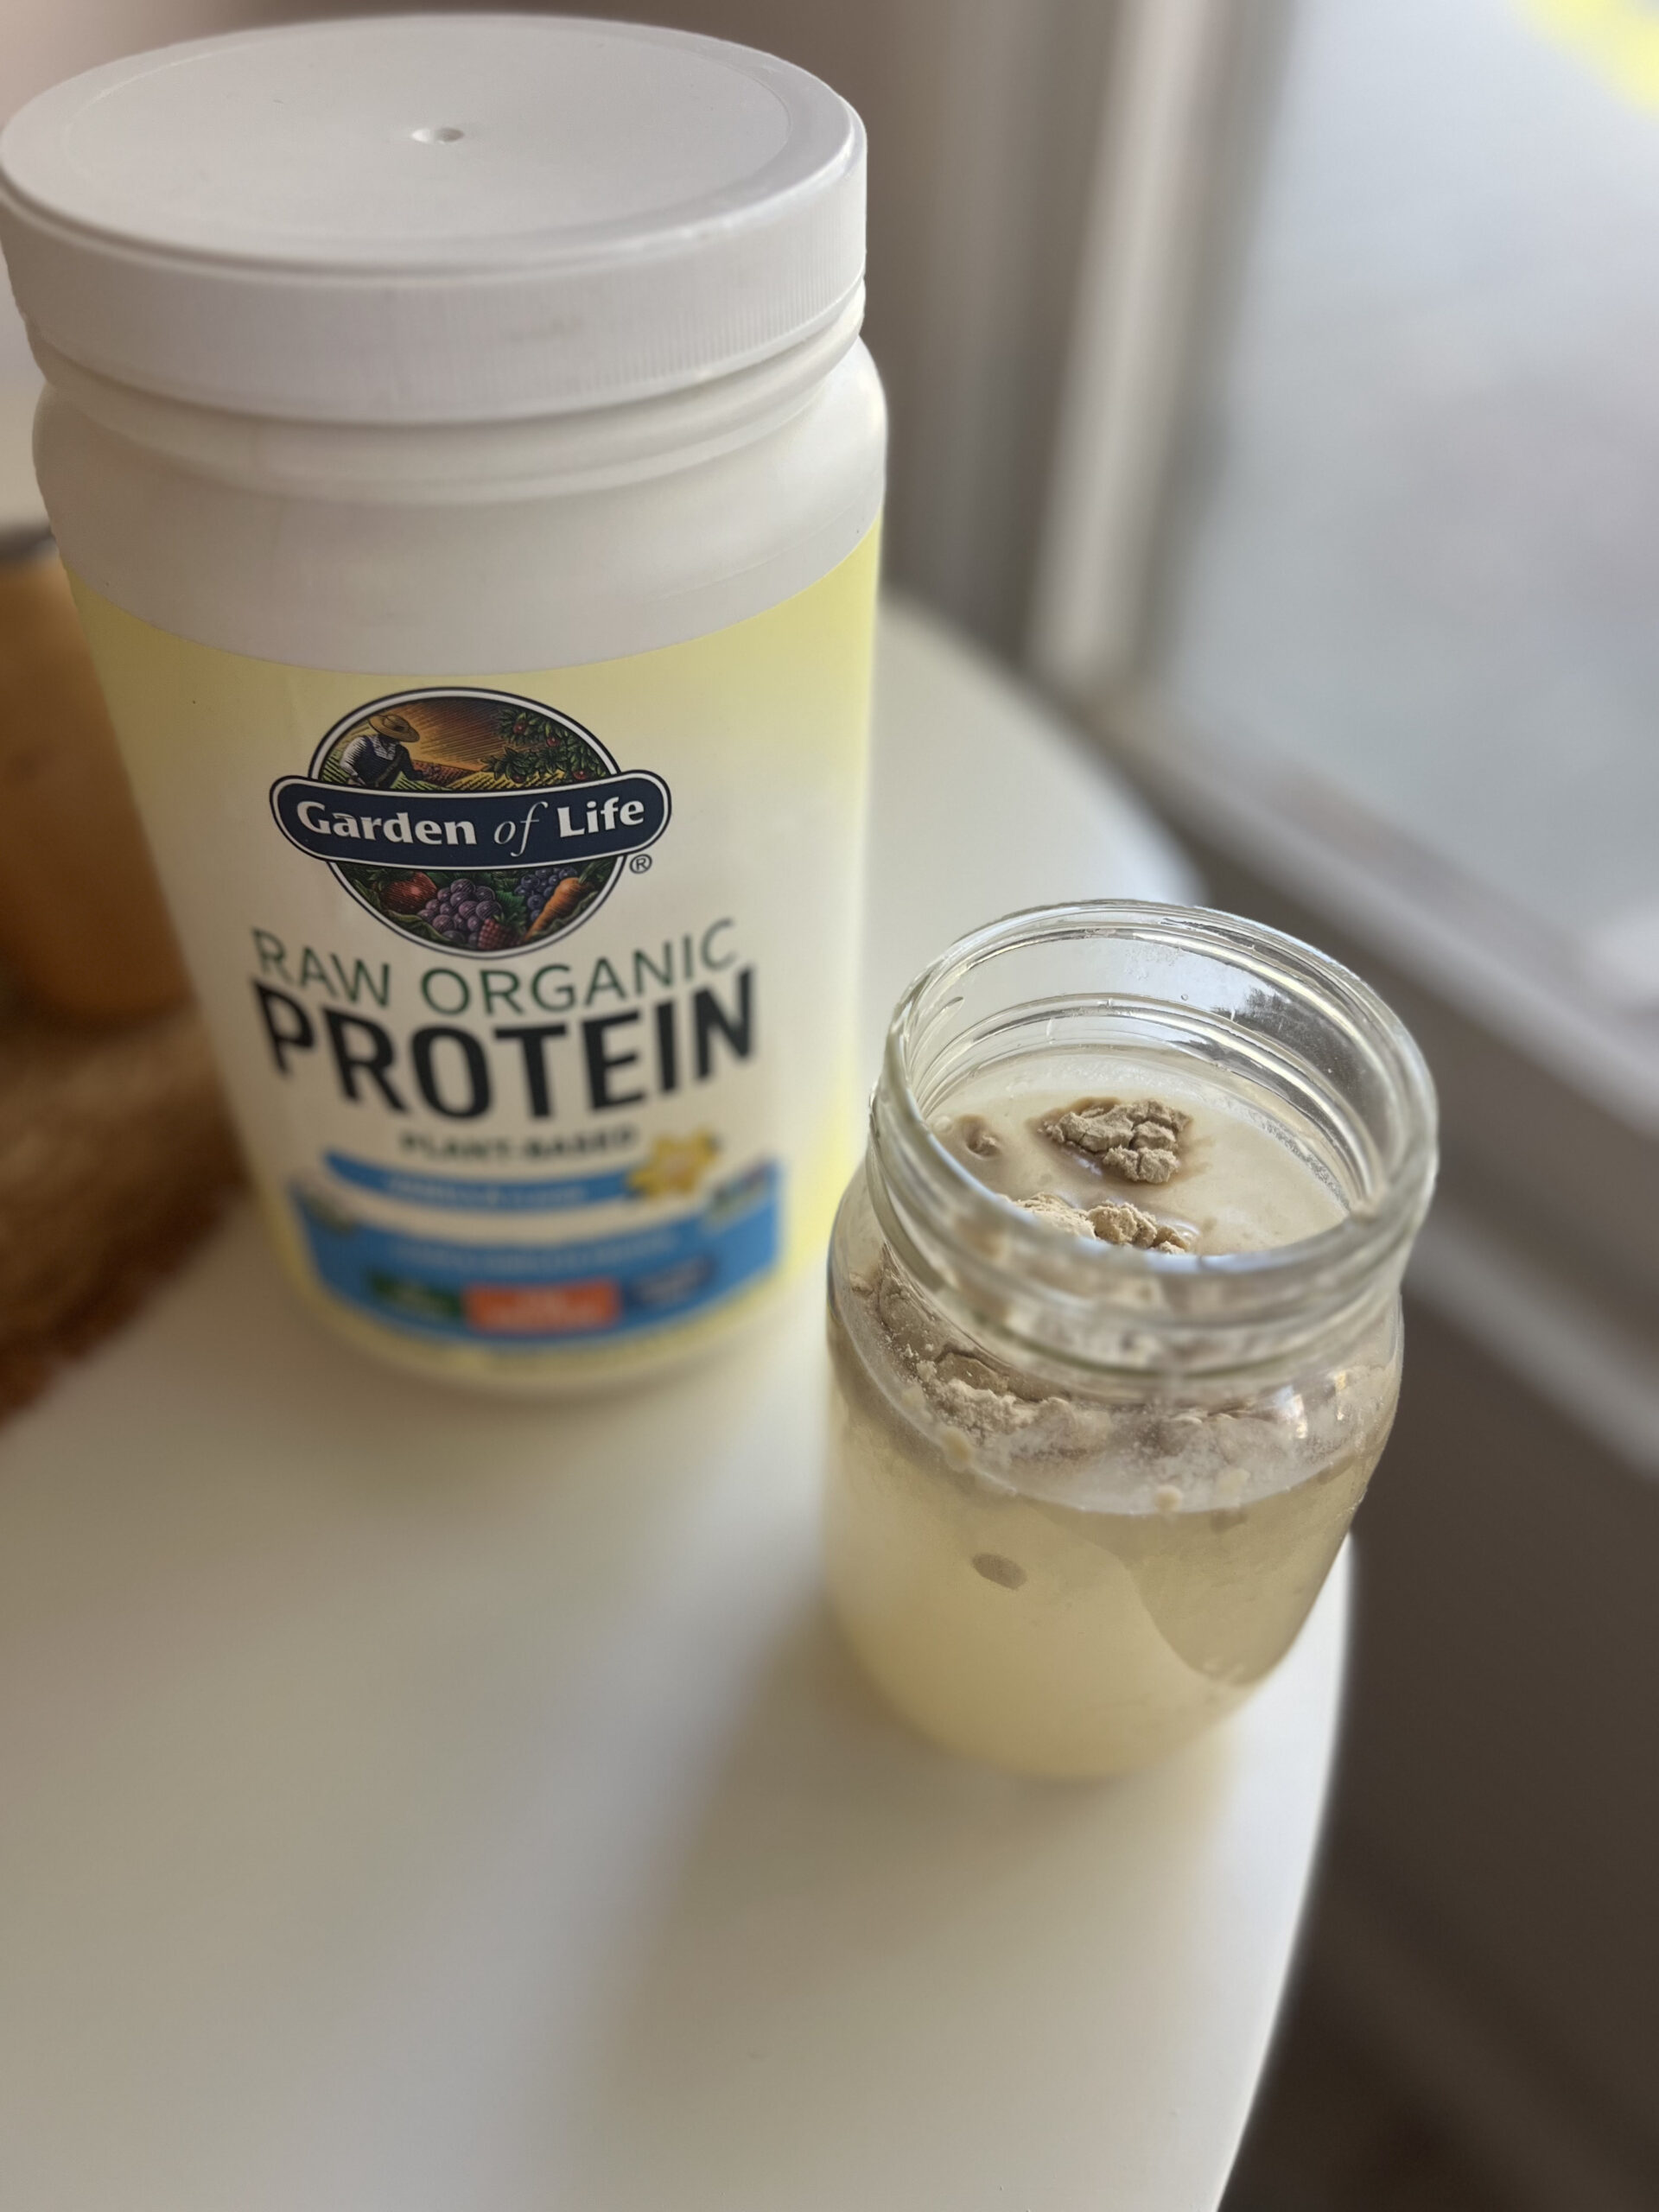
871	1957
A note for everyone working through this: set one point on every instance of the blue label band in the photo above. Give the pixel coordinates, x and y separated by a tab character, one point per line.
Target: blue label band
479	1194
507	1295
570	822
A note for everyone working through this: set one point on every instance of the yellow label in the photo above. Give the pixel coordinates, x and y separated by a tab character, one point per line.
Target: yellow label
532	990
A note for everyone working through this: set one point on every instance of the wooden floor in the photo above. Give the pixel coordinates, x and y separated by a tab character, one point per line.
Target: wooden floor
1332	2132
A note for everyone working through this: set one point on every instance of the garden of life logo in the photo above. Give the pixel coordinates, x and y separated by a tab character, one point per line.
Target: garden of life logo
474	820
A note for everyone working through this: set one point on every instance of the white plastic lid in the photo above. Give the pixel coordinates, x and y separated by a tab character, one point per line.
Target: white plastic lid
432	218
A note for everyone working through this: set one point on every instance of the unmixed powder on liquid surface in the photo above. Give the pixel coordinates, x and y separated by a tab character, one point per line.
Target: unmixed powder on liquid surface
1212	1168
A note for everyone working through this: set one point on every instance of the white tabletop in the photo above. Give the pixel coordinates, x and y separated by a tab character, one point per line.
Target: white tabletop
417	1804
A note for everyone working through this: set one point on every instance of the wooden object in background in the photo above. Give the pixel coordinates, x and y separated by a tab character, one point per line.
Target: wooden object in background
115	1157
82	926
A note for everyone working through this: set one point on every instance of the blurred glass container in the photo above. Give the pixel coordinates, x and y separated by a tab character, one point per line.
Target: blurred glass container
82	926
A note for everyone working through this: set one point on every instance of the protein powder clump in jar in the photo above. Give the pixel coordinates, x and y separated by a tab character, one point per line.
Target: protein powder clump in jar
459	434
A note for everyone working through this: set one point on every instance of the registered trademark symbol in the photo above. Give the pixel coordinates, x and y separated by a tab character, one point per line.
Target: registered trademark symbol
640	862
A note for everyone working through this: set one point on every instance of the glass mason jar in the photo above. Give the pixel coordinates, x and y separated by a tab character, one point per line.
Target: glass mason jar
1082	1495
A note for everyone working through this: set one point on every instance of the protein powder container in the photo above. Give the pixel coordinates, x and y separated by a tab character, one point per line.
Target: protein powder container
459	436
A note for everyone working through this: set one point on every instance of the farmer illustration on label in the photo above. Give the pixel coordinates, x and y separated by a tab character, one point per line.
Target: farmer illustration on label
378	751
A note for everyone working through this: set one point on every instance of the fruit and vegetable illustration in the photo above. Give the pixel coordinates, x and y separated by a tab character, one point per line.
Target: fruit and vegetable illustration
464	742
